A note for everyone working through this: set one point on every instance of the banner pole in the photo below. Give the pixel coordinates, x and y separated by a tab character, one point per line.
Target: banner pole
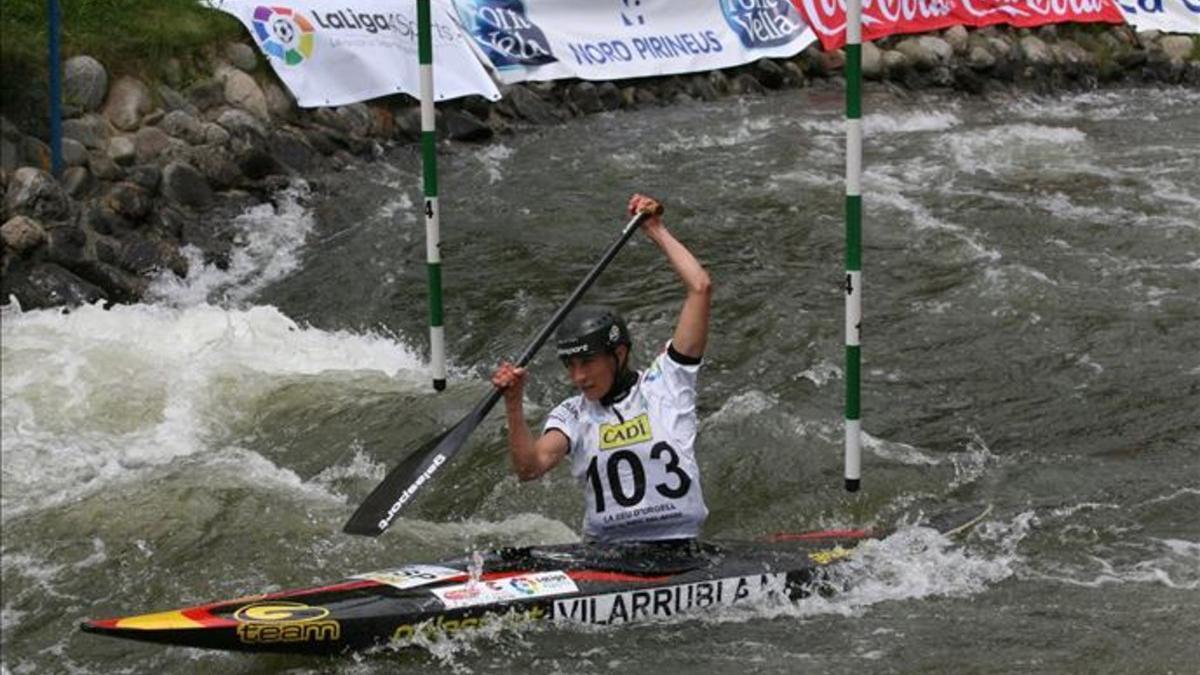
433	256
853	454
55	58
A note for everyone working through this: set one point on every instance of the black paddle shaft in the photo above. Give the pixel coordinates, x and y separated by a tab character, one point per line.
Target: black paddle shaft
402	484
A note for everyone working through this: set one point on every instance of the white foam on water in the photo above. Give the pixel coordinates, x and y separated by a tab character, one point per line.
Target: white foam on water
748	129
896	451
97	396
1062	206
741	406
1180	493
267	248
1001	149
400	206
910	122
1097	106
493	158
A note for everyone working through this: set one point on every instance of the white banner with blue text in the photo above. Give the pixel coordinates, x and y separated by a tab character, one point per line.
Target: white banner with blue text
618	39
334	52
1168	16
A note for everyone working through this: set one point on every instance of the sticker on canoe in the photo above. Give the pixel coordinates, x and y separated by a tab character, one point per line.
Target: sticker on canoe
411	576
828	555
519	587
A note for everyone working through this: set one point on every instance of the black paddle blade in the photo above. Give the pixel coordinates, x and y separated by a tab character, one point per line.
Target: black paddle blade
401	486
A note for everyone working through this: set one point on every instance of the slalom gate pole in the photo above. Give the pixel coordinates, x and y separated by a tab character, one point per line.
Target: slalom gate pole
853	456
433	255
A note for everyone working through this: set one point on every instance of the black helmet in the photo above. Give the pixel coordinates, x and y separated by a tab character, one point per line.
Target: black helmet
591	329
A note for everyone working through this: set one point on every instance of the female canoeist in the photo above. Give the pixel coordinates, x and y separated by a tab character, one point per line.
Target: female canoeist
630	434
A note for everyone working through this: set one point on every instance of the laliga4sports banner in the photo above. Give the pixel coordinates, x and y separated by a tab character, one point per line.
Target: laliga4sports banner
1168	16
618	39
334	52
881	18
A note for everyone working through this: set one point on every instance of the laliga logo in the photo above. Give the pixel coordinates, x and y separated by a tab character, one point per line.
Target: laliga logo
762	23
525	586
283	34
507	36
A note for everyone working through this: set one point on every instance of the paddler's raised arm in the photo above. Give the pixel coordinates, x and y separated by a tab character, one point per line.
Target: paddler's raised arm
530	458
691	330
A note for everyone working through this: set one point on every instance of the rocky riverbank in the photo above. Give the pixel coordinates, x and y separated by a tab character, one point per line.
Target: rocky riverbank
151	168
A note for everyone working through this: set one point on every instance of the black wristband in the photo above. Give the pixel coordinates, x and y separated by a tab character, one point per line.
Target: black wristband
683	359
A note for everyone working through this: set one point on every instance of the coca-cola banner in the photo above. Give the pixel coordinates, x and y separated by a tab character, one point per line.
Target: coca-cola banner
881	18
618	39
334	52
1169	16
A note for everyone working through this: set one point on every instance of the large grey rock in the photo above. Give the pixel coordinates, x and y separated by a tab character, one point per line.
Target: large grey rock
73	152
241	91
184	185
122	150
461	125
293	149
173	101
242	56
103	167
872	61
279	101
746	84
48	285
769	74
206	94
35	152
117	284
980	58
22	234
150	143
33	192
10	155
356	118
1035	52
957	37
76	181
1177	47
925	52
526	105
85	82
146	176
130	201
215	134
181	125
128	100
66	245
92	130
585	97
241	124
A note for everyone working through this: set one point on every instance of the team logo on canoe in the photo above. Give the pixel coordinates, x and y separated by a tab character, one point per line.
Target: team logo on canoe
270	622
636	430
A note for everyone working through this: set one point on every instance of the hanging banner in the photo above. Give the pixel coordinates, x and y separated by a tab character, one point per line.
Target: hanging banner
619	39
1168	16
881	18
334	52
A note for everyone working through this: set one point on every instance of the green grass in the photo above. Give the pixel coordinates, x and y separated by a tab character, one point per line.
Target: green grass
127	36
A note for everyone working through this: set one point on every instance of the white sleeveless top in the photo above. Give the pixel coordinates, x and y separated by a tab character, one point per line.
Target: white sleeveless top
636	459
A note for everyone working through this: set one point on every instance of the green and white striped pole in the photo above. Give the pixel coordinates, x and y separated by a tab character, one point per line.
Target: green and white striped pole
853	459
433	243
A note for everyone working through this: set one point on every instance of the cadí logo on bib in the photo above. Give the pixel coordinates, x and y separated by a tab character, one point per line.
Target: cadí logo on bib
636	430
